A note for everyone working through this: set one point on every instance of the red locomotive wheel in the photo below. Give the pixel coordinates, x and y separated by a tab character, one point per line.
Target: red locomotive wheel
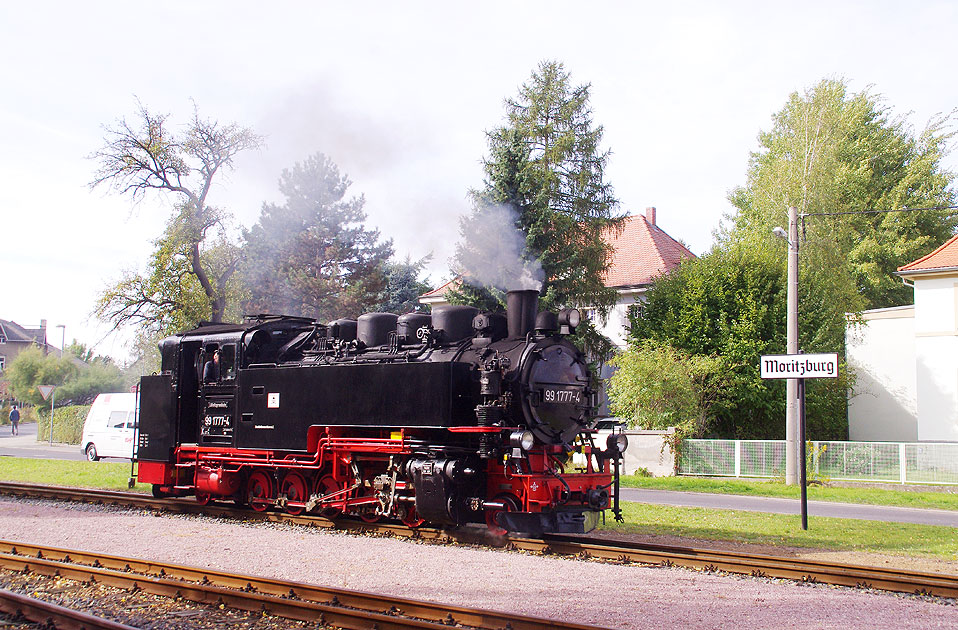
259	490
411	518
511	505
328	485
203	498
294	487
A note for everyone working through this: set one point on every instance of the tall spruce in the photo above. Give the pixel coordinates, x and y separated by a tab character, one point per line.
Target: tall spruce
546	169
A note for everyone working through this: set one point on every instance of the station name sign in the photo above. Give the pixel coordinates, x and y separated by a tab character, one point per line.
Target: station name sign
800	366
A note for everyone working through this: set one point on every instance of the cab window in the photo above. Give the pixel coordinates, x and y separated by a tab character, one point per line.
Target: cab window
118	419
228	361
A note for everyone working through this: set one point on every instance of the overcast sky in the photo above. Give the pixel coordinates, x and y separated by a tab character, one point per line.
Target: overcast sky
399	95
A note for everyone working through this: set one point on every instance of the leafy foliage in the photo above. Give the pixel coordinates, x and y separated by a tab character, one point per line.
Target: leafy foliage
74	380
189	277
729	303
656	386
831	150
545	167
313	255
403	286
67	423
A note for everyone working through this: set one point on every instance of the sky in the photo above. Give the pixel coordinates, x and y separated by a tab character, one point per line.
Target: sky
400	96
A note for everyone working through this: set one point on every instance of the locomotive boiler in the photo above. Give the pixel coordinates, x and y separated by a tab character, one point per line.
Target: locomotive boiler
456	417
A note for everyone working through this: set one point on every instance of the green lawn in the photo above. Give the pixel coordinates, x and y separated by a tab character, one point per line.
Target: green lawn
868	496
79	474
785	530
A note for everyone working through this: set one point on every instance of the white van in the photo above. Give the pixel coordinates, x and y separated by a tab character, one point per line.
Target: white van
109	427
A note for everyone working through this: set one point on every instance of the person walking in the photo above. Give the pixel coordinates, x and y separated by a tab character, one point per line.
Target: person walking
15	420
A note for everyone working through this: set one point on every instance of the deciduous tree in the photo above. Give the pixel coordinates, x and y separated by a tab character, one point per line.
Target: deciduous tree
186	276
831	150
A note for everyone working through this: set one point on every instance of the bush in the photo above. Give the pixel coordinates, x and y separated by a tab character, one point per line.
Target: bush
67	424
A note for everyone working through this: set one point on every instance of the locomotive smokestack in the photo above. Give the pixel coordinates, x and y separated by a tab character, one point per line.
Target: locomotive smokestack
522	307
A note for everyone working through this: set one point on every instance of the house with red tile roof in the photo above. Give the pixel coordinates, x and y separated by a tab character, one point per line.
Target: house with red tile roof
906	358
642	252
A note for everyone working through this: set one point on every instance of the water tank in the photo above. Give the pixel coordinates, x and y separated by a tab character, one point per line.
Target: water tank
373	328
454	321
344	329
408	324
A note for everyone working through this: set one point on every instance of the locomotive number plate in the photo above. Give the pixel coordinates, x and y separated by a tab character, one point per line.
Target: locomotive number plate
556	395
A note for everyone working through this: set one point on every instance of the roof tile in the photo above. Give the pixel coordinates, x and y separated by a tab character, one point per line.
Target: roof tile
642	252
945	257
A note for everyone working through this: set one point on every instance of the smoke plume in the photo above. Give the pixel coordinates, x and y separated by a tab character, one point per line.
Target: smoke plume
493	251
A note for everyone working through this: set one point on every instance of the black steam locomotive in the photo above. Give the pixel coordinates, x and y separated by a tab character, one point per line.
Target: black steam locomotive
452	418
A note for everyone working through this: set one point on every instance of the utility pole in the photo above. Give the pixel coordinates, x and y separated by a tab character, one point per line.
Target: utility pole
791	347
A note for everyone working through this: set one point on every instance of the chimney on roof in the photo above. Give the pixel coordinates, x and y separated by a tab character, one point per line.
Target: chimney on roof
42	339
650	215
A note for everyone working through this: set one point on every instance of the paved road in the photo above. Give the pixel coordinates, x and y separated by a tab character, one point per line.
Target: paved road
26	445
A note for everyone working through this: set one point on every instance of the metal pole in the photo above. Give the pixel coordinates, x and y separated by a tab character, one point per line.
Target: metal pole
53	399
801	439
791	385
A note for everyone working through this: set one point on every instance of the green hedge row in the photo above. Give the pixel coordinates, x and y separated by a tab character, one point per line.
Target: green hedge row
67	424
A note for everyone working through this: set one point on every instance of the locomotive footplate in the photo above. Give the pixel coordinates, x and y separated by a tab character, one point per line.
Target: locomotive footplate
557	522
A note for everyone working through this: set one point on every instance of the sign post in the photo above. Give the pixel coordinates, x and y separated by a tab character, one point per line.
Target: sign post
798	367
45	391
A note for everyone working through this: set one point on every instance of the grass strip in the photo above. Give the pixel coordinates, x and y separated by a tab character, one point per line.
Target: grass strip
784	530
75	474
945	500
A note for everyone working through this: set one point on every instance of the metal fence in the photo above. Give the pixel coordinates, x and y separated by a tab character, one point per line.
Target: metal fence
893	462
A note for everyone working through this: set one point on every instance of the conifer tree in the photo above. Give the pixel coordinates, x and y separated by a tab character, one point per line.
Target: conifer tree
544	179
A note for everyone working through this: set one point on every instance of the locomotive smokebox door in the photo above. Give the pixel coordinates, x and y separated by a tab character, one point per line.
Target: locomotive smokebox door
558	399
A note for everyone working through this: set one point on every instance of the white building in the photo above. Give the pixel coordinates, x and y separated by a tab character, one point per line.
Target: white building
906	359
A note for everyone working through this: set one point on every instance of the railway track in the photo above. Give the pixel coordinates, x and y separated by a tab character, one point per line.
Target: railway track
38	611
340	608
757	565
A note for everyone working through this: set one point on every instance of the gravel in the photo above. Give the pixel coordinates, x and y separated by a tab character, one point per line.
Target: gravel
616	596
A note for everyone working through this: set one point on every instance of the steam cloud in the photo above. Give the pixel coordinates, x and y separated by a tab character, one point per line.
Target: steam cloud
493	252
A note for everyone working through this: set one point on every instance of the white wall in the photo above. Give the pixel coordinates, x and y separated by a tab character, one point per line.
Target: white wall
616	325
936	349
649	450
883	404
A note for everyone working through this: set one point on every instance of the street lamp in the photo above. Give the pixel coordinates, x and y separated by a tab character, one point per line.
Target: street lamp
63	339
791	347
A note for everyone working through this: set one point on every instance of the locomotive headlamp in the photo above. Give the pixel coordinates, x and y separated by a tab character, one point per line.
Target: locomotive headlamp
617	443
522	439
569	318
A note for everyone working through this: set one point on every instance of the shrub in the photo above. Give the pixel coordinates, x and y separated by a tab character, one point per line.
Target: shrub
67	424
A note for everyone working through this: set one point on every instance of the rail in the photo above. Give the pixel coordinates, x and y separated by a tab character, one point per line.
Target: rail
292	600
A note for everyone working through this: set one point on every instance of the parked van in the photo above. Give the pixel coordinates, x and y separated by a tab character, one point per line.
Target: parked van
109	427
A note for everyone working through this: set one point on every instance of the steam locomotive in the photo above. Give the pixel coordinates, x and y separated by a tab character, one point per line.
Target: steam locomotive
451	418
